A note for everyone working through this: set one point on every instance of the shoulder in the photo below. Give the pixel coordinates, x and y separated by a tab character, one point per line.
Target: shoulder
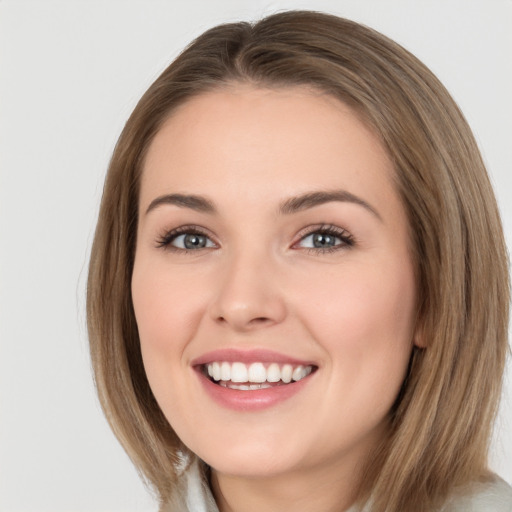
192	494
493	496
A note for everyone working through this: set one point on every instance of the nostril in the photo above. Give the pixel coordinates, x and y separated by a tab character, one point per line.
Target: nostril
257	320
260	320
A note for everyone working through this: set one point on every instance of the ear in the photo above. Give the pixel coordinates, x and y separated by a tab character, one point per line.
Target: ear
419	338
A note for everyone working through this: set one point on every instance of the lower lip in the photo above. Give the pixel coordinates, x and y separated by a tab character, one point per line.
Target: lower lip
251	400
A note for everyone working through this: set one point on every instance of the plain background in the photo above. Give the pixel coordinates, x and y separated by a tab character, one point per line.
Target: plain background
71	72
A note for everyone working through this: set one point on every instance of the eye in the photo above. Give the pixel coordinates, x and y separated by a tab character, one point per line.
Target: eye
325	239
185	239
192	241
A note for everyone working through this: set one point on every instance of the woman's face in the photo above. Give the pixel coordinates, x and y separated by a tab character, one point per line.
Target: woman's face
272	246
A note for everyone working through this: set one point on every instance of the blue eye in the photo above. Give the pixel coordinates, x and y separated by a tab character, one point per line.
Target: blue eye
191	241
326	239
185	239
320	241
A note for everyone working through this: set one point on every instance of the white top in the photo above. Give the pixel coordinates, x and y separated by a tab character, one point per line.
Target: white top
494	496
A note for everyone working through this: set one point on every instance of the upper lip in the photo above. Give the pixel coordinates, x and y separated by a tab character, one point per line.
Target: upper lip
232	355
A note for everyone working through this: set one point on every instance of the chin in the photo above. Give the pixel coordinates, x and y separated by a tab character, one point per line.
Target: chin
252	460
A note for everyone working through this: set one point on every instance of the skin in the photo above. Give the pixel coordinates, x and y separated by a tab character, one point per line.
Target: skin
260	283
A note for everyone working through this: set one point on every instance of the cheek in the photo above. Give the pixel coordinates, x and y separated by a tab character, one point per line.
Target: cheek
365	322
164	311
366	298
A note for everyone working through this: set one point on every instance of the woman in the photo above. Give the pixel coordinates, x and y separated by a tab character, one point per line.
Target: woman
298	290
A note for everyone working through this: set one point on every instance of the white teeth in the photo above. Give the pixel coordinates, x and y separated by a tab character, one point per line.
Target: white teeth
257	373
225	371
215	371
239	372
255	376
298	373
242	387
286	373
273	373
259	386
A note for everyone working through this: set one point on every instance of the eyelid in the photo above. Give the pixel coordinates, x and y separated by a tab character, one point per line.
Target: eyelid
329	229
164	240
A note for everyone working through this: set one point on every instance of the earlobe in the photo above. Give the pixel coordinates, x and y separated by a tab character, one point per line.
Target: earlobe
419	342
419	338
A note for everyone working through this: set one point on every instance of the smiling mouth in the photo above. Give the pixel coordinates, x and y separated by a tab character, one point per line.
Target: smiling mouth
254	376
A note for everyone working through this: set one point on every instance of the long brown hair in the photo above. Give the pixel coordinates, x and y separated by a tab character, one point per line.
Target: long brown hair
440	427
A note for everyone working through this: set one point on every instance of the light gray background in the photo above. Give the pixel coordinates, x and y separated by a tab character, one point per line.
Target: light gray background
70	74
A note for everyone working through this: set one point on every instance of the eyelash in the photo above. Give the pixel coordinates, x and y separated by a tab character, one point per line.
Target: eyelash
165	240
347	240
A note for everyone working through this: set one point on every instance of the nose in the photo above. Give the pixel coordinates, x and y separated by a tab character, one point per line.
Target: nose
249	294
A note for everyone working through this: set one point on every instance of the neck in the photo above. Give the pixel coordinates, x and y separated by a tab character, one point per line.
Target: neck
323	489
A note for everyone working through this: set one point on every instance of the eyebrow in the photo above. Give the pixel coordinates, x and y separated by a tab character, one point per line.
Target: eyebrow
312	199
291	205
197	203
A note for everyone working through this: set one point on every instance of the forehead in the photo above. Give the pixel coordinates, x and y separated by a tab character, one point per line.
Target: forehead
272	141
